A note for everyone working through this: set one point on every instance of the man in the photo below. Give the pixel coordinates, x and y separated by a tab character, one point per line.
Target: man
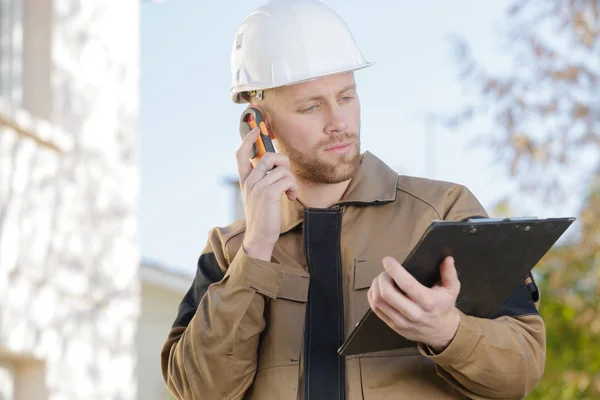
325	227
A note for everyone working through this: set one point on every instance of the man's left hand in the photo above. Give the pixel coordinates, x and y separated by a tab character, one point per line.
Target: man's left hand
419	313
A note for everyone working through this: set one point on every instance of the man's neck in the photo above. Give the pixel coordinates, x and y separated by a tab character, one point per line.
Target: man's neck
321	195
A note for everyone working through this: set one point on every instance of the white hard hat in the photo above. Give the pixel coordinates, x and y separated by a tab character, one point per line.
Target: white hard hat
284	42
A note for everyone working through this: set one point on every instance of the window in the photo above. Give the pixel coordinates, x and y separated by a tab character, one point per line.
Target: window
10	50
37	47
25	55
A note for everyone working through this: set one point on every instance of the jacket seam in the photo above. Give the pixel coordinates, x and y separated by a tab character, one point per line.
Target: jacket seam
230	357
341	362
534	314
468	350
212	251
225	252
362	389
308	331
419	198
410	351
461	187
280	365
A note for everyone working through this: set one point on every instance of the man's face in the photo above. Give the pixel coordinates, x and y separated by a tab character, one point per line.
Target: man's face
317	125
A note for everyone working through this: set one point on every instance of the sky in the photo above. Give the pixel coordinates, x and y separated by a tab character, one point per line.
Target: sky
189	125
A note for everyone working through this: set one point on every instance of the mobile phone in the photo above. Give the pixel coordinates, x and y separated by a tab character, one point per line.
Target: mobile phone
251	118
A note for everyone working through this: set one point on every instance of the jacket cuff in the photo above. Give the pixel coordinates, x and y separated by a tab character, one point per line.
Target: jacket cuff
261	276
462	344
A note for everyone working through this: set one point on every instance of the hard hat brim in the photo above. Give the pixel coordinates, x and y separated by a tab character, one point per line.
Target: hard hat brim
236	93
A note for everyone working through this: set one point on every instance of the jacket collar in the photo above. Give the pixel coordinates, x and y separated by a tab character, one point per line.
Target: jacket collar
374	182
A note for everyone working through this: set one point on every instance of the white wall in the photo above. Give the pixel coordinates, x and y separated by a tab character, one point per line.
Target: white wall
69	175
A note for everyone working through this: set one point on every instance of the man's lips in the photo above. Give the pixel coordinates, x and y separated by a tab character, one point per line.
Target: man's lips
338	146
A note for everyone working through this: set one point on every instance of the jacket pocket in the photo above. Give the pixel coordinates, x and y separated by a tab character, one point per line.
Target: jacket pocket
276	383
281	340
404	376
365	270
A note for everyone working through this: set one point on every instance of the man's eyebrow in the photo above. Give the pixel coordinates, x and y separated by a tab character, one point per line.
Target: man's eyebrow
352	86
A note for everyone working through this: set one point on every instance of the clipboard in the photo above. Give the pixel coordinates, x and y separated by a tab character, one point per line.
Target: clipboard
492	256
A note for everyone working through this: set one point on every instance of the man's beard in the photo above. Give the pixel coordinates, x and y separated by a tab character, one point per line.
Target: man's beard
310	168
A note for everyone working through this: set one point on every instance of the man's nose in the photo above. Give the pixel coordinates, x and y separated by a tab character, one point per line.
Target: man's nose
336	121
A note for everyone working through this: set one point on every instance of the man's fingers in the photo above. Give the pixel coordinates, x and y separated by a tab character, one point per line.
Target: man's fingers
383	310
286	184
266	164
243	155
449	276
398	301
408	284
373	290
275	175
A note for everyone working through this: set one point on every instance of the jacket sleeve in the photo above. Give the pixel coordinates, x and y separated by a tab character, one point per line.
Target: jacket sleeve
498	358
211	350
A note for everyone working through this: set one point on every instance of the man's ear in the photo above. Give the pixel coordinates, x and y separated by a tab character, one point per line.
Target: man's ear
269	123
265	114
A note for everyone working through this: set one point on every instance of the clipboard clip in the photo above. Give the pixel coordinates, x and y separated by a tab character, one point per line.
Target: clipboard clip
498	219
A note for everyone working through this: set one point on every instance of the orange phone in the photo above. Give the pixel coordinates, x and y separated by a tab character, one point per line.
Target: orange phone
251	118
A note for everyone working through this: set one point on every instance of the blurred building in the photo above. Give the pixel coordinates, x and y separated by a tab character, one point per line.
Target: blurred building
237	208
162	291
69	175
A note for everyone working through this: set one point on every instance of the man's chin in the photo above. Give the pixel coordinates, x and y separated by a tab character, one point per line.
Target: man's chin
338	172
327	168
347	171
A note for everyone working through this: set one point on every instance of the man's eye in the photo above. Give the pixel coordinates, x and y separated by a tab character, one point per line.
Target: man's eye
310	109
346	99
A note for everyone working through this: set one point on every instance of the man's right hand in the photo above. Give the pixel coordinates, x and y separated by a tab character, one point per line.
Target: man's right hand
261	193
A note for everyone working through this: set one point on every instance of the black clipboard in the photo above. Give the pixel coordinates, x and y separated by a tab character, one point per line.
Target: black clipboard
492	257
